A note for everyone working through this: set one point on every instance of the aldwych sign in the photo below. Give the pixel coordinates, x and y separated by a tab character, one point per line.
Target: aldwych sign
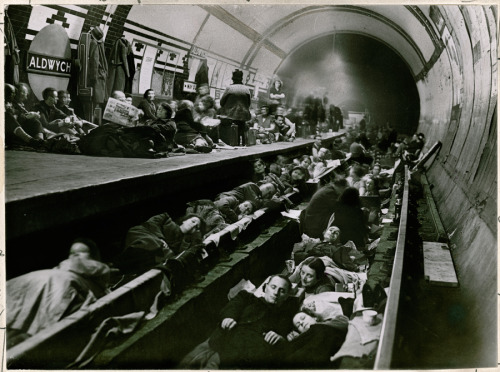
37	62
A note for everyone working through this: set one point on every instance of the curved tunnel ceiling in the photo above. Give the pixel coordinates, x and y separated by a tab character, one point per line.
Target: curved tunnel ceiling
264	37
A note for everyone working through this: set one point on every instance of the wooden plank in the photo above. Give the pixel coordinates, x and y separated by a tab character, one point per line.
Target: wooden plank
438	265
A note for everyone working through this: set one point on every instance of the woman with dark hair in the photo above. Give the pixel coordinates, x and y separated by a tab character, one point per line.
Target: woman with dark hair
313	279
276	96
350	219
158	239
260	170
148	105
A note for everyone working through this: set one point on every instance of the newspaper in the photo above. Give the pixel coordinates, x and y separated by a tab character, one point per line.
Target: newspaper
121	113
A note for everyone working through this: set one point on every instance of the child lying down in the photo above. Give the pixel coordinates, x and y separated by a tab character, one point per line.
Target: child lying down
314	341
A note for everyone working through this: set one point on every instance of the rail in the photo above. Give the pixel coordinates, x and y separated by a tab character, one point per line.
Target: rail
388	334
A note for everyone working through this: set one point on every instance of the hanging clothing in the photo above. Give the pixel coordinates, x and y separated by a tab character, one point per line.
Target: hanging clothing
131	69
12	58
97	69
119	71
202	73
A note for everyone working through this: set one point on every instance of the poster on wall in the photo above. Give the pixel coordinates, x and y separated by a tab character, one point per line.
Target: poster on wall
147	65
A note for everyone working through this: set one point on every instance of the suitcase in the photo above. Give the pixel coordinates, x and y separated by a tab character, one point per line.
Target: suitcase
229	134
233	139
251	137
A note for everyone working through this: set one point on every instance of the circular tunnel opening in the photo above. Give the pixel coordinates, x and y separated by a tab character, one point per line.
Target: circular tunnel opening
356	73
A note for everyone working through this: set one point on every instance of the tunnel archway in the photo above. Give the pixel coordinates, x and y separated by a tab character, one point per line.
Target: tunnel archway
357	73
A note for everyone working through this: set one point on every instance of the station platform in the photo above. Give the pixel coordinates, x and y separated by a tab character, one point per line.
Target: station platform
59	196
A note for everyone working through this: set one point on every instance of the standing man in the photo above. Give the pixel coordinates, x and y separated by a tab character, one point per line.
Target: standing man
235	105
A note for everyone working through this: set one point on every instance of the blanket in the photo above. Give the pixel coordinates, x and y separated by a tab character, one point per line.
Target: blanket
41	298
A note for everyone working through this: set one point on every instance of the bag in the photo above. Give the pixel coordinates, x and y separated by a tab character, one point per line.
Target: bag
228	133
251	137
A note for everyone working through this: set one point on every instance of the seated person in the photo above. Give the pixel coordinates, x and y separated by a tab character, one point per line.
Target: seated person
51	117
30	121
204	108
166	126
355	178
134	118
191	134
336	151
252	329
291	132
158	239
285	132
81	126
371	186
14	132
265	125
148	105
296	180
314	341
350	218
314	219
260	170
415	147
41	298
358	152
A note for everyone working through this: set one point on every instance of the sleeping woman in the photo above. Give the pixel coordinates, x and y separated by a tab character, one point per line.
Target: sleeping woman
158	239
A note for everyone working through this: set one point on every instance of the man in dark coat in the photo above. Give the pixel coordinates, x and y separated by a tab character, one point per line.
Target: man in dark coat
253	329
315	217
235	105
50	116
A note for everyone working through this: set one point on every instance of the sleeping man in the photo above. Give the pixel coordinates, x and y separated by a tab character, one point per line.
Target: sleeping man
41	298
252	331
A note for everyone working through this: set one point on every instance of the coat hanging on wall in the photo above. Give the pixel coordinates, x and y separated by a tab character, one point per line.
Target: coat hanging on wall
12	58
120	70
98	66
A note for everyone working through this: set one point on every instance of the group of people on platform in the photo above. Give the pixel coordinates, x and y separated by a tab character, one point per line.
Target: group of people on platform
174	127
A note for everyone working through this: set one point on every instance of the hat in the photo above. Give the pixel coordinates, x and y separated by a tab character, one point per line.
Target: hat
97	33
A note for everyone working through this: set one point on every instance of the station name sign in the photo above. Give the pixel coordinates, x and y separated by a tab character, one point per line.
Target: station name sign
48	65
189	87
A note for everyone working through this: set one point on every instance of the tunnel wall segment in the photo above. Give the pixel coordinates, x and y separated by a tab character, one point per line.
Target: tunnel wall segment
458	108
